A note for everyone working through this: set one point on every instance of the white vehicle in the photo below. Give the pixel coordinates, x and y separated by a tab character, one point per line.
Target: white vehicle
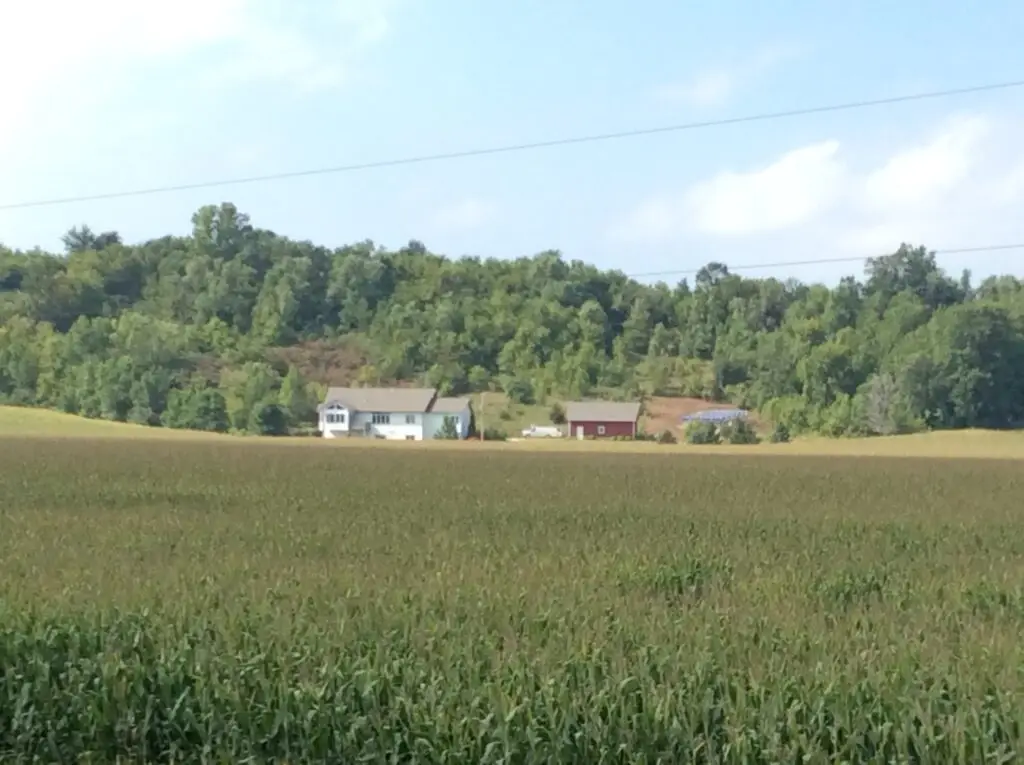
539	431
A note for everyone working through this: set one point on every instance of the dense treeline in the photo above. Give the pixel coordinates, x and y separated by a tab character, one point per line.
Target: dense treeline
227	329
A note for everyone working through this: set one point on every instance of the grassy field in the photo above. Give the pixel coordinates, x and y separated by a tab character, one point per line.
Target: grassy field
214	602
24	421
21	422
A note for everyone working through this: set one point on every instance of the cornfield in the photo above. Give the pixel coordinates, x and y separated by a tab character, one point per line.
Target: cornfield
221	602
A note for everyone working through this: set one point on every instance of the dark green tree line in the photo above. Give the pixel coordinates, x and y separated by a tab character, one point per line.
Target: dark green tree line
235	327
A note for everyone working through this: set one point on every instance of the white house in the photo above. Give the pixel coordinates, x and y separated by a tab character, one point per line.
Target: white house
410	414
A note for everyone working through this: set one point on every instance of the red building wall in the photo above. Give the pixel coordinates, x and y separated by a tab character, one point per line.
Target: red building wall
610	428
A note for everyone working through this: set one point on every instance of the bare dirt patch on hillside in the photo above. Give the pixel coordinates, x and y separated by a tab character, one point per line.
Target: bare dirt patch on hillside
666	413
322	361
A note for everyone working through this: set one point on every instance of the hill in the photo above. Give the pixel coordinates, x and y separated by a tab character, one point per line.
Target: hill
22	422
235	327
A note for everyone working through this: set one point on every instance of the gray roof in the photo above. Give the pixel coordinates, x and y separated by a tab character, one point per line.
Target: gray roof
382	399
602	411
450	405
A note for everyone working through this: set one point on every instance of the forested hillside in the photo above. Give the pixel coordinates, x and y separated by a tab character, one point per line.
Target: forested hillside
235	327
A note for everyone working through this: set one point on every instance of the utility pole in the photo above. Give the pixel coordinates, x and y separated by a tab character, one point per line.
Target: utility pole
480	419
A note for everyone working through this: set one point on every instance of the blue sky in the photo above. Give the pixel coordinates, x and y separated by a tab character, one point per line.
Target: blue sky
121	95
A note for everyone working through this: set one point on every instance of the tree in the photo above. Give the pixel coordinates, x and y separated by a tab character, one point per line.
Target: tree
449	430
196	408
81	238
269	419
699	432
137	332
297	400
884	405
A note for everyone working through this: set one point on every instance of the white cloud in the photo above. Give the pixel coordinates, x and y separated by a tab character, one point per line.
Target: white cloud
108	94
790	191
960	184
61	55
463	215
921	175
715	85
786	193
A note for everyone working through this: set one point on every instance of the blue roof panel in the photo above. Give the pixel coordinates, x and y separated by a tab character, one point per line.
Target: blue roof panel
716	415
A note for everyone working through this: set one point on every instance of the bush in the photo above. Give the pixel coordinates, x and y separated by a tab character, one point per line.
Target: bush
666	437
495	434
557	414
702	433
269	419
738	431
780	434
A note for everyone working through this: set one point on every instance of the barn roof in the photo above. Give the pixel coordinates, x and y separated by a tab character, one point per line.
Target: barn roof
602	411
382	399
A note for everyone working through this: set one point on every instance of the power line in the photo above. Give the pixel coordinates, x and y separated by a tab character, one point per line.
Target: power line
825	261
424	158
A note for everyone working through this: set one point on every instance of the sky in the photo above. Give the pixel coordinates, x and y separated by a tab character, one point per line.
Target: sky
116	95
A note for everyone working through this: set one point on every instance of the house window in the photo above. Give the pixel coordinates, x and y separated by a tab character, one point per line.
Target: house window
380	418
410	438
600	430
335	416
410	419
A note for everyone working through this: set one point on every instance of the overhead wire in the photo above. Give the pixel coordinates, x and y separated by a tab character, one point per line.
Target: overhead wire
519	147
823	261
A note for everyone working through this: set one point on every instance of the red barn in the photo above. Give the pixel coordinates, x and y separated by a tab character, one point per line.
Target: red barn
602	419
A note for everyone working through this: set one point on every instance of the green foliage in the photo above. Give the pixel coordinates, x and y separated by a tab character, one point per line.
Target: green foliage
108	330
268	419
208	602
557	414
449	430
495	434
702	433
197	408
738	431
667	437
779	434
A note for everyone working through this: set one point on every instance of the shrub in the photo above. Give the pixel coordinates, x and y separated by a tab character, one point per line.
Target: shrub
780	434
557	414
269	419
702	433
666	437
738	431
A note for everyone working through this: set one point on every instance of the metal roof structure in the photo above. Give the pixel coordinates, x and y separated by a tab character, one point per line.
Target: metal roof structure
602	411
716	415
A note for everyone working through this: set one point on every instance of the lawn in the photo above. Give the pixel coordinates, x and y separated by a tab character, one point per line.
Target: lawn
211	601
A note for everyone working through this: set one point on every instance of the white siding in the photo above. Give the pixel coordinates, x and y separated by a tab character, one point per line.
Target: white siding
434	421
401	425
395	430
334	429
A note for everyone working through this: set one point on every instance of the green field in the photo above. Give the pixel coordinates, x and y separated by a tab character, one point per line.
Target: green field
216	601
26	421
949	444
